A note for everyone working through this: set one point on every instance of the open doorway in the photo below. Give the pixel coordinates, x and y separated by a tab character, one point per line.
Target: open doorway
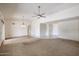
43	30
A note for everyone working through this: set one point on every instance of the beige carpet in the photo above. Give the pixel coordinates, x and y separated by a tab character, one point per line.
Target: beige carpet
42	47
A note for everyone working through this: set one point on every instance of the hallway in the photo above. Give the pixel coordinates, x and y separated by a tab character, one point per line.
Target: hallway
40	47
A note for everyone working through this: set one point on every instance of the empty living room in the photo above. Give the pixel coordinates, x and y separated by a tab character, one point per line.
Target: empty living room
39	29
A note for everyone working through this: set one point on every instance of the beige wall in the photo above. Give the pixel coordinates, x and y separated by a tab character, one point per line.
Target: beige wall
68	29
35	28
13	30
0	32
2	26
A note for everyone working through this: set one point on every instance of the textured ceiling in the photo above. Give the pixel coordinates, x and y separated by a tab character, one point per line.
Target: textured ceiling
18	10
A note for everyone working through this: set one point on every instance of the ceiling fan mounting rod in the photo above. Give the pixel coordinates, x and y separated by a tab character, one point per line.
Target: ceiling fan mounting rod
39	9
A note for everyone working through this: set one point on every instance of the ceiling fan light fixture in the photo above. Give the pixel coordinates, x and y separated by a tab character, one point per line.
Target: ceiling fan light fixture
39	15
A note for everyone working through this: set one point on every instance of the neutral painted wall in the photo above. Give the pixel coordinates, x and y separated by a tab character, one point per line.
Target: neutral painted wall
35	29
68	29
49	29
0	32
16	29
2	26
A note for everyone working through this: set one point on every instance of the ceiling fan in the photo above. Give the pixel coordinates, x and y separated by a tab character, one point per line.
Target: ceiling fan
39	14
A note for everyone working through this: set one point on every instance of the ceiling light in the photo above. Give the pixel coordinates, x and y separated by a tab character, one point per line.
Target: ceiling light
39	14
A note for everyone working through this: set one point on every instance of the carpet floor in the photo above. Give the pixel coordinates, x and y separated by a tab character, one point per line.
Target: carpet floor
42	47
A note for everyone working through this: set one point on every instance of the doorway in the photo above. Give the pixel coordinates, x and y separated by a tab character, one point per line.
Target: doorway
43	30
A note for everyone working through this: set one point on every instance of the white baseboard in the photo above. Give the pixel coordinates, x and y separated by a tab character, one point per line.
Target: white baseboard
68	38
15	36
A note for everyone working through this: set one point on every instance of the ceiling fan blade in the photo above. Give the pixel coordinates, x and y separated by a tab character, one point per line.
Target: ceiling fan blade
43	14
34	16
39	9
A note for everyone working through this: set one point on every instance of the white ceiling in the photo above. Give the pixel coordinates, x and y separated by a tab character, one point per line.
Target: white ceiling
18	10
